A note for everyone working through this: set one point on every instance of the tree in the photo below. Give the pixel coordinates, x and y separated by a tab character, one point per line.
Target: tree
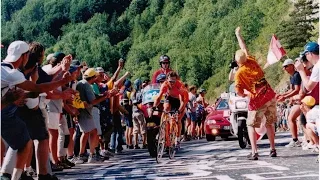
298	29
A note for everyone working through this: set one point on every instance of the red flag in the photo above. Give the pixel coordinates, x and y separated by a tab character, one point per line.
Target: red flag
276	51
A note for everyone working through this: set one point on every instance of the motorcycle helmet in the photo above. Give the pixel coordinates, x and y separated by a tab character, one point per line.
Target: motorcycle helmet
161	77
164	58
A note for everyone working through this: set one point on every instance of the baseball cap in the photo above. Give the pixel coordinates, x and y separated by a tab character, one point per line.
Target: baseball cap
15	50
75	62
311	47
100	70
90	73
73	69
287	62
59	55
49	56
309	101
202	90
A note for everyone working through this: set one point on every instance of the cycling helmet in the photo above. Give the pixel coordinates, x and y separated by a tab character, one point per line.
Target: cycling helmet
137	84
164	58
161	77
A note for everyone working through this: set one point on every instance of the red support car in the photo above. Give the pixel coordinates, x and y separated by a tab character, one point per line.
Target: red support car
217	123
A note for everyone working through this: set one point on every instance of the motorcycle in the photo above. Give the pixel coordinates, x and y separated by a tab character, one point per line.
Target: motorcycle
152	117
238	117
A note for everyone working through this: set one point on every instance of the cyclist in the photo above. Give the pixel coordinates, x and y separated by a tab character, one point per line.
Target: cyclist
165	68
176	98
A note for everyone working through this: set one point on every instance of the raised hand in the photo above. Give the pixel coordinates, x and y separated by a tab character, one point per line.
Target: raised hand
299	66
121	63
237	31
66	61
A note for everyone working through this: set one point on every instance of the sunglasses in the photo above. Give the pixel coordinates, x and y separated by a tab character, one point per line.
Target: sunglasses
285	66
172	81
165	63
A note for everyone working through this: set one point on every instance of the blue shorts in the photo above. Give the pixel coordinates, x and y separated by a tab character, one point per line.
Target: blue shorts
128	117
13	130
193	116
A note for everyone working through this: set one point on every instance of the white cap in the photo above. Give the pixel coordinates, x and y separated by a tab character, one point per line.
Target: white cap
99	69
287	62
49	56
15	50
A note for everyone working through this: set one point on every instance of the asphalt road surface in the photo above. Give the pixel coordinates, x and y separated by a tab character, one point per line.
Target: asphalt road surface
199	159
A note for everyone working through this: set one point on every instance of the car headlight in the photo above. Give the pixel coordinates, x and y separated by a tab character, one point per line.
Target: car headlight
211	121
241	105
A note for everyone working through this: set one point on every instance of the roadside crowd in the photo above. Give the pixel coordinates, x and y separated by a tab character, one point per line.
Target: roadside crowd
57	112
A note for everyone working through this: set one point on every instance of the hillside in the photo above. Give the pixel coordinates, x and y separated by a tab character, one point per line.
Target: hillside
197	35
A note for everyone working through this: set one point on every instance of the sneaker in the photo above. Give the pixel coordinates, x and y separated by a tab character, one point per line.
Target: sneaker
131	147
47	177
103	155
293	144
56	167
109	153
315	149
249	155
273	153
64	165
83	157
145	146
30	172
69	163
253	157
76	160
5	176
136	147
24	176
94	159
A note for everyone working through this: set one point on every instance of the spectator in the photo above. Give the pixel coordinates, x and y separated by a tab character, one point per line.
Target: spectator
14	130
85	120
295	81
139	123
262	102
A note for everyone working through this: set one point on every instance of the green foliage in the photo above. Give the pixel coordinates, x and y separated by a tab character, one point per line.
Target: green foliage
197	35
298	29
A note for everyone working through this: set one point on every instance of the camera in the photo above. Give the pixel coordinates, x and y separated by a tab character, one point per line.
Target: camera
233	64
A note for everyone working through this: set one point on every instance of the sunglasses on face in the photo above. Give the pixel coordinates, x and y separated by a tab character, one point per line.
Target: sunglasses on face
172	81
165	63
285	66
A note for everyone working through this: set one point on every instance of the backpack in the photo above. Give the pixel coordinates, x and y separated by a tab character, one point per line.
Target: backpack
199	111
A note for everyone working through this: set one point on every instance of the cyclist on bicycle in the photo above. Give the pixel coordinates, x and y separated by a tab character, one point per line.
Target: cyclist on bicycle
165	68
176	98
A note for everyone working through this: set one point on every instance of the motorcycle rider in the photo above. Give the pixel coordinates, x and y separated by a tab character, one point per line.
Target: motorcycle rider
165	68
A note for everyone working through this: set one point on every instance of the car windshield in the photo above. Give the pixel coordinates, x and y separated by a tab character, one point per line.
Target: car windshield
223	104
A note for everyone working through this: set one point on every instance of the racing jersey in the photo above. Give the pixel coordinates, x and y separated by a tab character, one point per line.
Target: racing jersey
175	91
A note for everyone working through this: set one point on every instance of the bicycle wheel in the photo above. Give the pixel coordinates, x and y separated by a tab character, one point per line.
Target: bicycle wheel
161	141
172	148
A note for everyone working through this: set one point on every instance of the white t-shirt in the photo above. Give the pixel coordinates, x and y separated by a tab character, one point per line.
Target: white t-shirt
47	68
10	78
312	116
315	73
192	99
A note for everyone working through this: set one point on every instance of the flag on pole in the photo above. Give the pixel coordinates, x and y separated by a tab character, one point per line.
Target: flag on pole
276	51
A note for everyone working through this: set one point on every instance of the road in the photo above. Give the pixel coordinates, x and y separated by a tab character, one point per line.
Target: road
199	159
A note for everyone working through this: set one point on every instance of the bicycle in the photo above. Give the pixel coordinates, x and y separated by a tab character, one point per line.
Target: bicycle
169	119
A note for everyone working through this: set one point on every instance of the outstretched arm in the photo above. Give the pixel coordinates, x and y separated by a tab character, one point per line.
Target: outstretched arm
241	42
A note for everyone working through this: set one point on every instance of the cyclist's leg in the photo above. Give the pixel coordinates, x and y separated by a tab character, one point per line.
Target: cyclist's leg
166	108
